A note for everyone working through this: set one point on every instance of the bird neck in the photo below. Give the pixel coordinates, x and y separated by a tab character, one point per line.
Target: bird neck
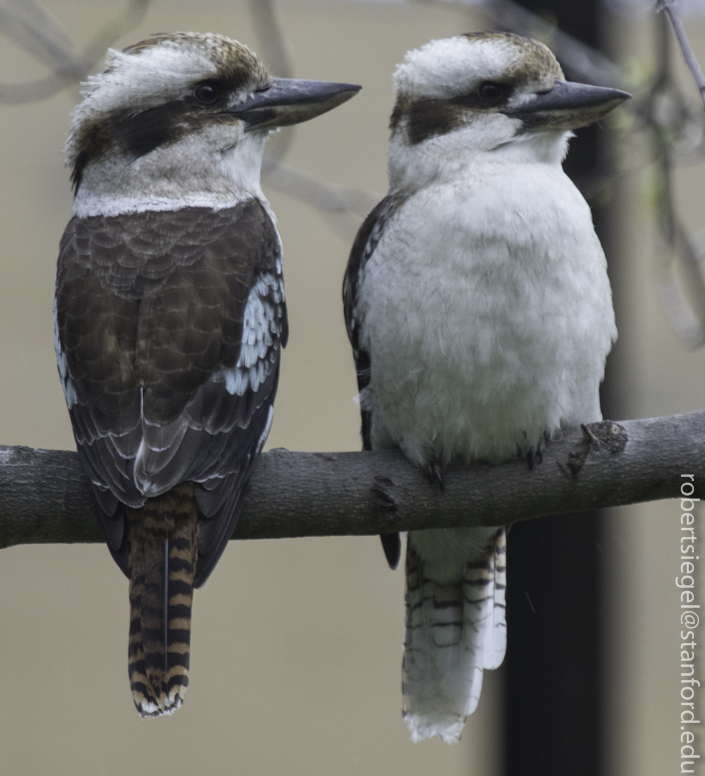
453	157
189	173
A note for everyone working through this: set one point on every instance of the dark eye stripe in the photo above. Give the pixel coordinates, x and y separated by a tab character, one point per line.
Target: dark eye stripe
428	117
488	95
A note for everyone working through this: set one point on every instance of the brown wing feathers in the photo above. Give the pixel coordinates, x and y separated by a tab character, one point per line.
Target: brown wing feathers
150	312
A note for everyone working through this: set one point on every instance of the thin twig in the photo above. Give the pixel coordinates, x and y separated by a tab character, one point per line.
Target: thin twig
690	60
343	207
33	29
686	315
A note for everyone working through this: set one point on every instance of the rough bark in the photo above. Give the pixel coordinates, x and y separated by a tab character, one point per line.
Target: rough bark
46	498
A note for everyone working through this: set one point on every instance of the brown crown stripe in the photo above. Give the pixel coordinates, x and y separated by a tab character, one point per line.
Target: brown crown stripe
423	118
142	131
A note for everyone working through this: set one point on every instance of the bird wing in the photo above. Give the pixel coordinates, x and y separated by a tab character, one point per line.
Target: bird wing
168	328
366	241
364	246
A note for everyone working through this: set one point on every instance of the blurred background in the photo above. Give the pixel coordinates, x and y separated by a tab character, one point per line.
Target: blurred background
296	646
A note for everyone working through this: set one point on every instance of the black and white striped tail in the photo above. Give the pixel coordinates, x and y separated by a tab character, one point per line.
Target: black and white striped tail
163	538
454	630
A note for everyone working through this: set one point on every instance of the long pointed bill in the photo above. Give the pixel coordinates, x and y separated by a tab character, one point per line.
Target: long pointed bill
568	105
290	101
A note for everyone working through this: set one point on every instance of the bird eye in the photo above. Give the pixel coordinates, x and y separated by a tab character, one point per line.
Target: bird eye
491	93
207	93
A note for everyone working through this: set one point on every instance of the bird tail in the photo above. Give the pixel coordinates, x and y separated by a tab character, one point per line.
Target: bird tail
163	541
453	632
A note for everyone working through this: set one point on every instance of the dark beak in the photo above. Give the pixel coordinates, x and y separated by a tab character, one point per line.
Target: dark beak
288	101
568	105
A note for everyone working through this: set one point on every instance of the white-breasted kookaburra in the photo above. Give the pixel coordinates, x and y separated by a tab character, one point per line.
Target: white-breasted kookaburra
480	314
170	316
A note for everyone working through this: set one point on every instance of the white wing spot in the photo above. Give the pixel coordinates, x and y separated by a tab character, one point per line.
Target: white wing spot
262	322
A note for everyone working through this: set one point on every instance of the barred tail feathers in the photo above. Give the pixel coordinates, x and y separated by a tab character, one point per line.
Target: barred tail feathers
163	538
455	628
493	572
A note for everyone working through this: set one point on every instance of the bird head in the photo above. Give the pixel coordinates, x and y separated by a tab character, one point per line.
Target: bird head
487	92
184	113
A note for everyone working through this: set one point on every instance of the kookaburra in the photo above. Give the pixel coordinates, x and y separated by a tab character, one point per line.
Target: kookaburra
480	314
170	316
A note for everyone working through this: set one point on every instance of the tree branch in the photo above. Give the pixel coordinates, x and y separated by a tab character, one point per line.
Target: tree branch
46	498
693	65
32	28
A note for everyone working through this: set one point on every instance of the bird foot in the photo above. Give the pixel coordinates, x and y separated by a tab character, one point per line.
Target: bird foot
435	474
535	454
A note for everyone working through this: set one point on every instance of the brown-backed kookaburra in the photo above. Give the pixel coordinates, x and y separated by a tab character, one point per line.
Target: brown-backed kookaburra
170	316
480	315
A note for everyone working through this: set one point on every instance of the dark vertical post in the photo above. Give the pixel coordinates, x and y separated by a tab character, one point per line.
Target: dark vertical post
553	664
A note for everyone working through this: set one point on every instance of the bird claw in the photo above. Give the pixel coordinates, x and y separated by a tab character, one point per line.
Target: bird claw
435	472
535	454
